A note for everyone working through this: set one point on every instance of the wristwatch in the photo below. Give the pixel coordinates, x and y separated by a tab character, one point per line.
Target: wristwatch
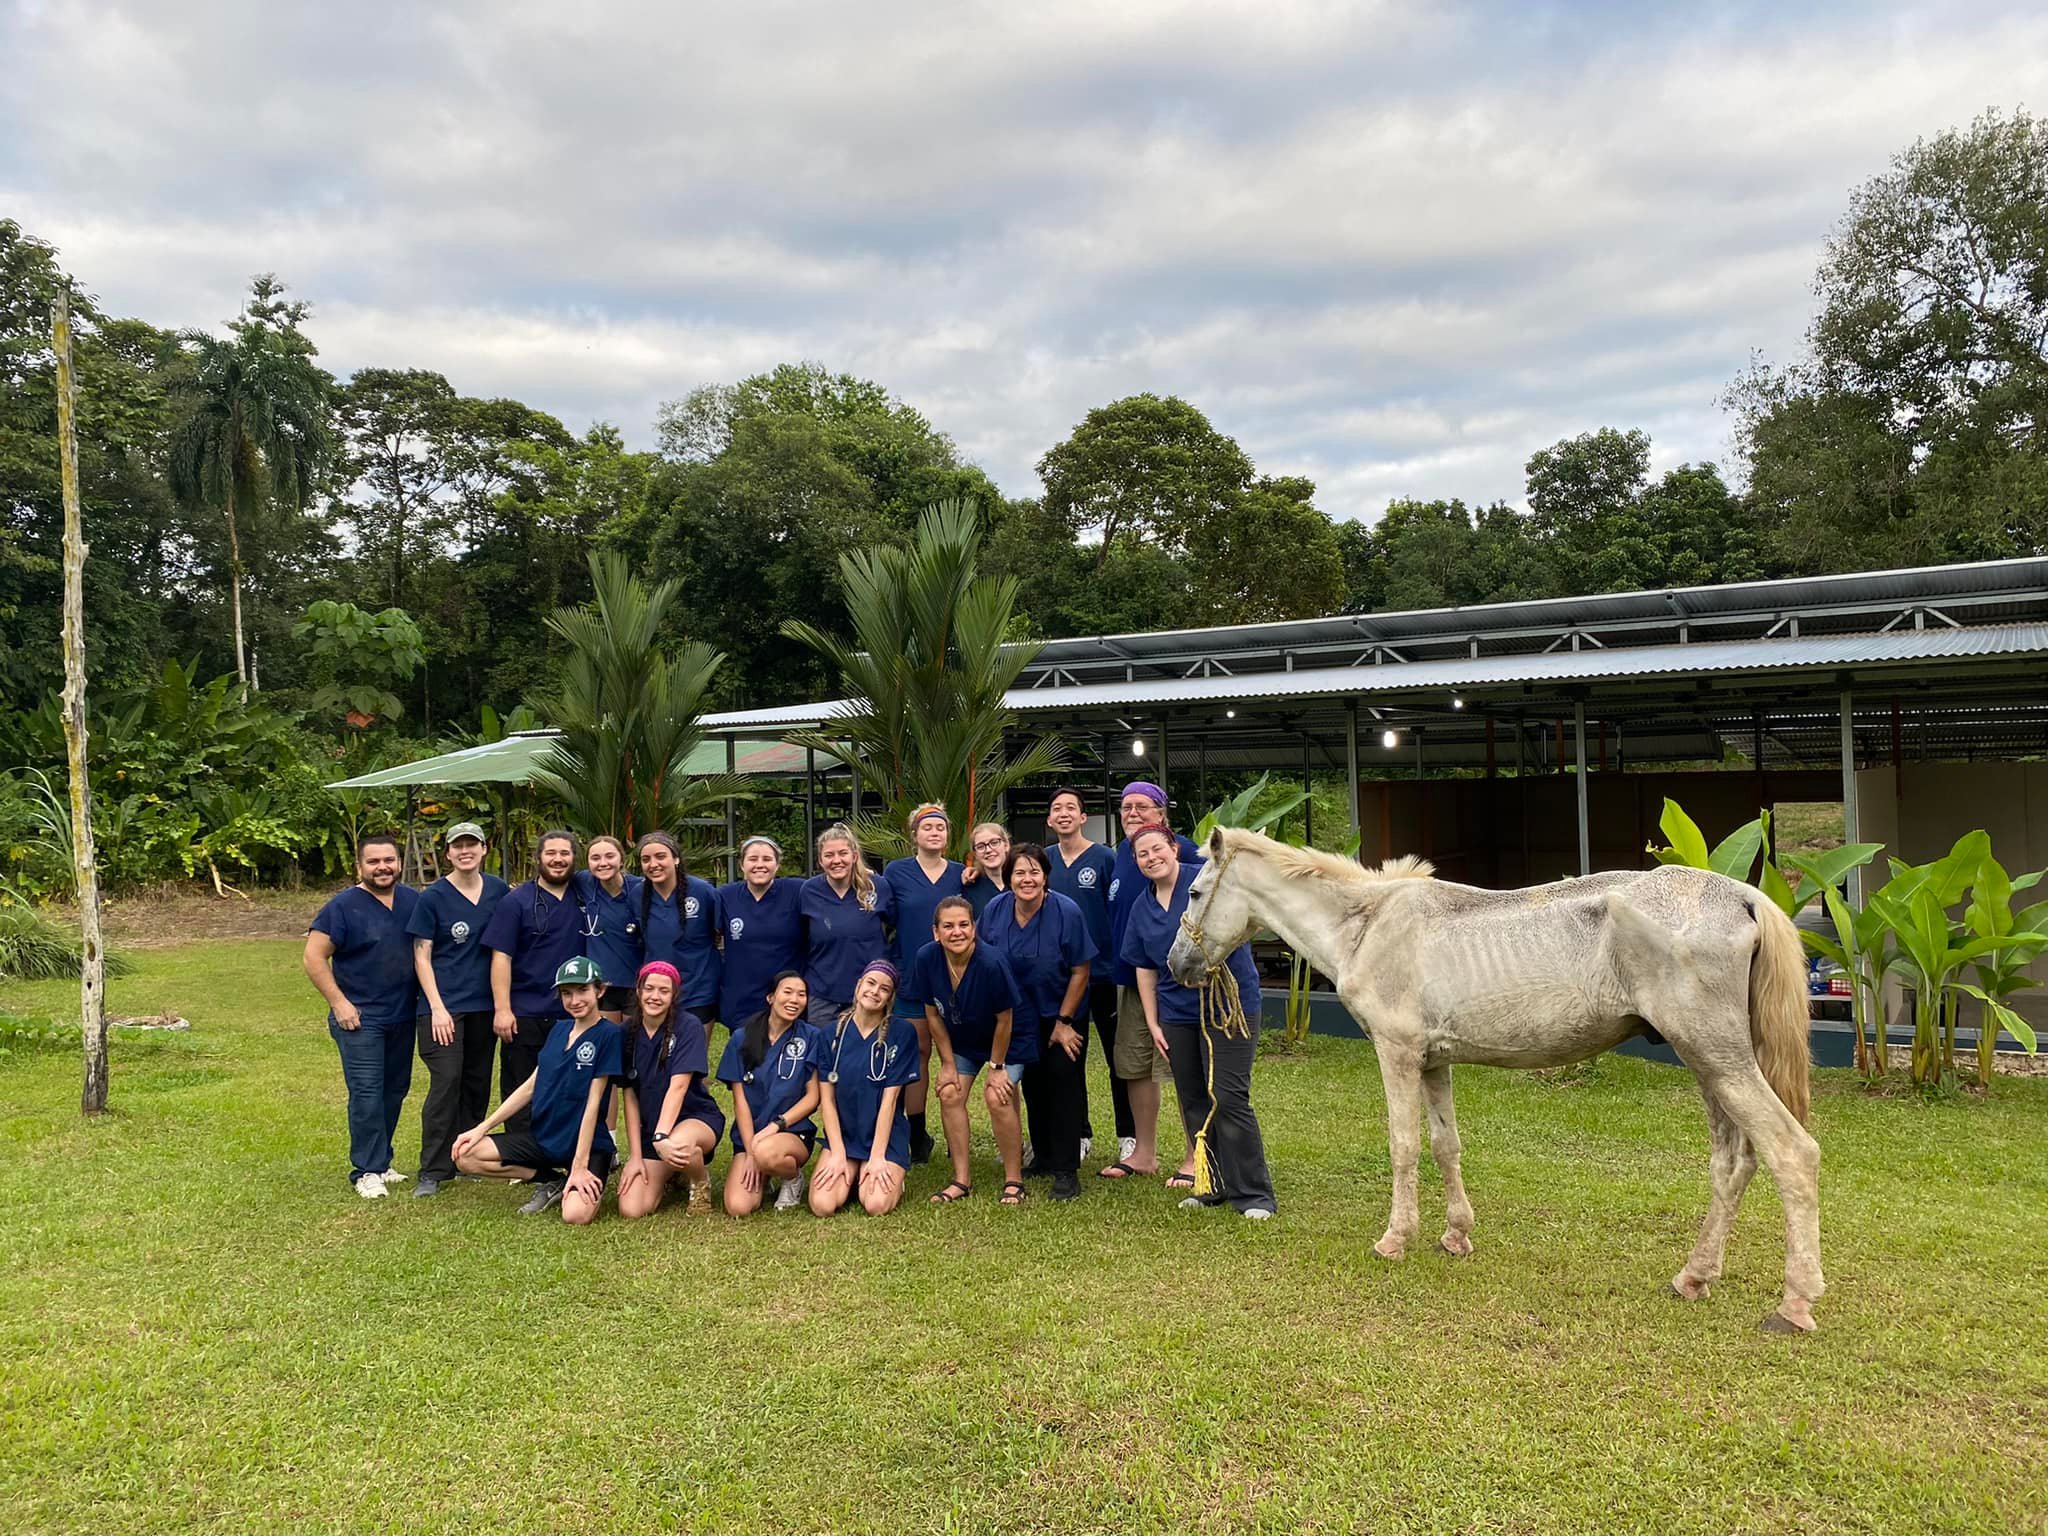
773	1125
660	1137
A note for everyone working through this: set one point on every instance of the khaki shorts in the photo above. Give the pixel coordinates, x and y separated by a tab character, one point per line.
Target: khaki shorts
1135	1057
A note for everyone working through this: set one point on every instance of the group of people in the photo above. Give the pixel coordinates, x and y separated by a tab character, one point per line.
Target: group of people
847	998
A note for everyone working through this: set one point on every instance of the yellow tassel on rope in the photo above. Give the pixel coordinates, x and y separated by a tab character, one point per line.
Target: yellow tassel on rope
1222	1008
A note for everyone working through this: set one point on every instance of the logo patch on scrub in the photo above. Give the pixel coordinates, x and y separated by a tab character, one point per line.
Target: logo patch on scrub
797	1049
459	933
1112	888
737	926
690	907
1086	880
586	1053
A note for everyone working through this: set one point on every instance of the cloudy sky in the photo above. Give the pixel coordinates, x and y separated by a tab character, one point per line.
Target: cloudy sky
1391	246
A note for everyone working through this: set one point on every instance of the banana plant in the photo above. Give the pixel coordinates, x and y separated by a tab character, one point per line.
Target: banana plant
2003	972
1859	948
1932	948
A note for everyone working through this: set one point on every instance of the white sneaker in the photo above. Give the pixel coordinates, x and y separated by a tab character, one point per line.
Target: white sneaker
392	1176
1126	1148
369	1186
791	1195
1258	1213
1194	1203
1030	1154
1088	1146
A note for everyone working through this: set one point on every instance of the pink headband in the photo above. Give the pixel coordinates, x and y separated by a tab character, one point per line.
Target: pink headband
661	968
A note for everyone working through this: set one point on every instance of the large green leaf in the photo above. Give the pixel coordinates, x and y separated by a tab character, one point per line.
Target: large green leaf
2002	1017
1735	855
1684	835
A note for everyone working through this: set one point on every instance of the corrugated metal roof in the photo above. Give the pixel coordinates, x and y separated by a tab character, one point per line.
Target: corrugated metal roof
514	759
1705	658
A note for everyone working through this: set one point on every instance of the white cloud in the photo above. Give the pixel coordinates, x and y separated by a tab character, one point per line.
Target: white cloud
1395	247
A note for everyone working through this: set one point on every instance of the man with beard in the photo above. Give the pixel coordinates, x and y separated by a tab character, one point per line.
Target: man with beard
534	930
359	956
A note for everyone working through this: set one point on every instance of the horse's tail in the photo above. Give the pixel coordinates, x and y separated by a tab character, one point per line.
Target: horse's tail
1778	1020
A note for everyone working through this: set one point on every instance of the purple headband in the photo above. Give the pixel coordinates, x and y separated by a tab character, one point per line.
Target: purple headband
1151	792
882	968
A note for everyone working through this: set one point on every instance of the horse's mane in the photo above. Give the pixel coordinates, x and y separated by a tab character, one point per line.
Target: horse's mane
1314	863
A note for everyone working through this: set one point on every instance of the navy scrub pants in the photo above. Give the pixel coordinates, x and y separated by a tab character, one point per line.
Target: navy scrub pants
376	1069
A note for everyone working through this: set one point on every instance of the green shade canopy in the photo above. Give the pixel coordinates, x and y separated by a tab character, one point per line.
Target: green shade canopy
514	759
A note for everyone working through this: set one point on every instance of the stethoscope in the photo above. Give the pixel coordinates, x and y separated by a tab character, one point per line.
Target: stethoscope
878	1051
786	1063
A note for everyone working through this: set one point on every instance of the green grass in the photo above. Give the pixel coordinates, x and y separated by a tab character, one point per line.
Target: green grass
202	1328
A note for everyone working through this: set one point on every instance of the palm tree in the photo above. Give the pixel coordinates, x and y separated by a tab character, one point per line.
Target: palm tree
256	423
628	711
927	669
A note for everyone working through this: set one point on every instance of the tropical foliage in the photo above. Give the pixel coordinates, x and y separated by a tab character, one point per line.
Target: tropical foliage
926	671
627	709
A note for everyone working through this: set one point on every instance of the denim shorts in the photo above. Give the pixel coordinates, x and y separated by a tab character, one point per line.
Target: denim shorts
969	1068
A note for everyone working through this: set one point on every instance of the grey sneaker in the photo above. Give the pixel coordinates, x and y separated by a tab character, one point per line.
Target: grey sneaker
546	1195
426	1186
791	1194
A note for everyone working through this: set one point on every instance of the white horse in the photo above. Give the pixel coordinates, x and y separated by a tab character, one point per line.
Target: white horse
1438	973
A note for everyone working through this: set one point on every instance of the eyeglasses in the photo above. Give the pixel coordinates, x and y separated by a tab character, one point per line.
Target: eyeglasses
991	844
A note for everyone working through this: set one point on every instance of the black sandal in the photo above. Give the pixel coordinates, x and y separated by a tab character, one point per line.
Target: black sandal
1014	1193
953	1191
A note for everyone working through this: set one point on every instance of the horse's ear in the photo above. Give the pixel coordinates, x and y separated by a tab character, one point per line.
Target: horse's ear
1215	842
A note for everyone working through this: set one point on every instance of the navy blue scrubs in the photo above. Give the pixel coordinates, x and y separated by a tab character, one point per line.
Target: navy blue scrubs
969	1009
841	937
1085	883
373	968
917	898
539	932
860	1069
611	927
979	893
1126	885
1041	956
652	1075
455	925
562	1087
763	936
1148	939
682	928
783	1077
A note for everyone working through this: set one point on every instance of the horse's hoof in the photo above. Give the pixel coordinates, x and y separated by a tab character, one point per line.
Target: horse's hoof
1457	1244
1390	1248
1778	1322
1687	1288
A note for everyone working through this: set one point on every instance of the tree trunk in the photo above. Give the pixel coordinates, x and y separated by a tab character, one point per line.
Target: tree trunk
92	976
235	592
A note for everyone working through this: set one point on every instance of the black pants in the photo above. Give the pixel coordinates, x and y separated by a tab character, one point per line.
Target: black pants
1237	1153
1102	1013
458	1088
517	1059
1053	1088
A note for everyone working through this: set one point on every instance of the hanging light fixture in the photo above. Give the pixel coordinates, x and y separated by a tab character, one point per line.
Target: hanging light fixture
1457	702
1137	746
1390	740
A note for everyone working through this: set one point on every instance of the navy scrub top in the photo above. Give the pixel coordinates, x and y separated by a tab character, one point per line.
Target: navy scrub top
651	1076
1150	937
1041	955
539	932
611	927
783	1077
969	1010
860	1069
841	937
762	937
683	930
562	1085
373	953
916	900
1126	885
455	925
1085	883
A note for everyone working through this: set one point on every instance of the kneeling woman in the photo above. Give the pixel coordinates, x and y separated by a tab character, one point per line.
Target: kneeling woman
570	1093
1201	1059
971	1004
771	1065
672	1122
872	1059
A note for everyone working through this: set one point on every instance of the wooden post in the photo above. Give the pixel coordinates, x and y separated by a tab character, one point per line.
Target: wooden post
92	975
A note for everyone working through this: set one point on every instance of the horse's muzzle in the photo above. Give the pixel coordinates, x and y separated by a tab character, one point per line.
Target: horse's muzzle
1186	961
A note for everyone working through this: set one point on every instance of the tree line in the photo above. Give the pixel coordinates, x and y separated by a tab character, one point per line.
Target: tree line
377	553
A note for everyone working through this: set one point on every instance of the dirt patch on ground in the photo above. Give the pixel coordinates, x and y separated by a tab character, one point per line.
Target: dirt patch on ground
193	914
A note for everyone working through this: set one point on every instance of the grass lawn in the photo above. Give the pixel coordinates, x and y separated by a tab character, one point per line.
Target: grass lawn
201	1327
